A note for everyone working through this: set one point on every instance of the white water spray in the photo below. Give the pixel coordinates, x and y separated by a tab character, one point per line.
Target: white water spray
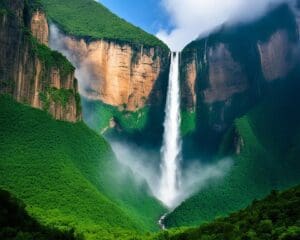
171	150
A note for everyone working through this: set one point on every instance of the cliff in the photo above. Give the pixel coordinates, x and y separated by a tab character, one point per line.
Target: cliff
118	74
226	73
122	71
30	71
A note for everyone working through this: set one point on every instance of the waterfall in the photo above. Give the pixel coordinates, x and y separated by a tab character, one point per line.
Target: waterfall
171	149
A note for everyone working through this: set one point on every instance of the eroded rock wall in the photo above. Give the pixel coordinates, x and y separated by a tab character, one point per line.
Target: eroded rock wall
276	55
30	71
225	74
117	74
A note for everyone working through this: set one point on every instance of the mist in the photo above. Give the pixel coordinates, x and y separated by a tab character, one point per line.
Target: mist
84	69
145	166
197	18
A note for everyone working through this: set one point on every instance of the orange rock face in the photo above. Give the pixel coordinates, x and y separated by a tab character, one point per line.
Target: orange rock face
191	80
188	75
39	27
275	56
25	76
115	74
226	77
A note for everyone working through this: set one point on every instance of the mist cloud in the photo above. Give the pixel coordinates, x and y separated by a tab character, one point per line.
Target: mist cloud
144	165
193	18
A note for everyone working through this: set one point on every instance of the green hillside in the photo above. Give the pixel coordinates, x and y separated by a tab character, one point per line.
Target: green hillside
16	223
64	173
91	20
275	217
269	158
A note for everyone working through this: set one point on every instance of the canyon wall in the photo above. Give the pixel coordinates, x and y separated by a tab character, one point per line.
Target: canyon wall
225	74
276	55
29	70
118	74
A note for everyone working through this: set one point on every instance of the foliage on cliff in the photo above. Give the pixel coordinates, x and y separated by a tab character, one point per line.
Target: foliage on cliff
143	127
3	8
16	223
49	57
65	174
265	147
188	122
91	20
106	116
275	217
38	67
53	60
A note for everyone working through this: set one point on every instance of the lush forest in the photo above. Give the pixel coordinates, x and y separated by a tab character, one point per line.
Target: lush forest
91	20
275	217
64	173
16	223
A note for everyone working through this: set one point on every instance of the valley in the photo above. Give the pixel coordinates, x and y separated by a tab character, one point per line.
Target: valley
106	133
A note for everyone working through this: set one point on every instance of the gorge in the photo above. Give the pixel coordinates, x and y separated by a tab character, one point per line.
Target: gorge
109	134
217	85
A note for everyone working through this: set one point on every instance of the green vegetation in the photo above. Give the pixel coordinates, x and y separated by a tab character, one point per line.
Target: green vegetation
4	10
49	57
275	217
91	20
34	5
188	122
60	96
268	137
104	115
16	223
65	174
52	59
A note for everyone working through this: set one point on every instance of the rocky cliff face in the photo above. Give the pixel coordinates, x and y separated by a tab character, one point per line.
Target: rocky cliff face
118	74
276	55
39	26
223	75
188	73
29	70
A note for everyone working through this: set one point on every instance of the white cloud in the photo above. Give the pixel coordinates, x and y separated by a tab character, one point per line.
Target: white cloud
192	18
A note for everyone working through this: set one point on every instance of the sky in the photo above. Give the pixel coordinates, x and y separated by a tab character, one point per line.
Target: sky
150	15
178	22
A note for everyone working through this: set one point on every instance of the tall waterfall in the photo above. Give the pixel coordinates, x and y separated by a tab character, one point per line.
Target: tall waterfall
171	149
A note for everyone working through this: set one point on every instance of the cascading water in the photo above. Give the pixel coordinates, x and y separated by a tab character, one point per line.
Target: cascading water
171	150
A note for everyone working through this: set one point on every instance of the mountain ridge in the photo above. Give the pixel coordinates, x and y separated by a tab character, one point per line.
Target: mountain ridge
103	24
